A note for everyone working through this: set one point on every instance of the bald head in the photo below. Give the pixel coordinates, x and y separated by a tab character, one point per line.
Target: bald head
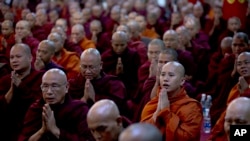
238	112
141	132
57	73
120	35
91	51
170	39
7	27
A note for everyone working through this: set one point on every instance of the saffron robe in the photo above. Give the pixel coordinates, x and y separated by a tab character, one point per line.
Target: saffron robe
179	122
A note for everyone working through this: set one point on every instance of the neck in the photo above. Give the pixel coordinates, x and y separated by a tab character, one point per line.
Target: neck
174	93
24	73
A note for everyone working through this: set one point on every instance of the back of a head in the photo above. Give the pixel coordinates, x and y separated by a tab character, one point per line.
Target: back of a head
141	132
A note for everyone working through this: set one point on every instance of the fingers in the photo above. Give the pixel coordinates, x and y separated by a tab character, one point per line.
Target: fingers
87	83
119	61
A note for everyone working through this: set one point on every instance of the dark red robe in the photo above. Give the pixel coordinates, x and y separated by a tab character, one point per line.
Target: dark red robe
106	87
32	43
70	118
12	114
42	32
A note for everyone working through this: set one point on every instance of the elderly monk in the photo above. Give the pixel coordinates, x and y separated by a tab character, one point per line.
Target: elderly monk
105	122
78	37
92	84
240	89
141	132
237	113
123	62
171	110
44	54
7	38
23	35
68	60
18	91
56	116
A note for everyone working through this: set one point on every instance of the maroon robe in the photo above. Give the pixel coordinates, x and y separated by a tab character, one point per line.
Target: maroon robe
73	47
141	49
12	114
32	43
70	118
5	69
131	63
10	42
106	87
41	32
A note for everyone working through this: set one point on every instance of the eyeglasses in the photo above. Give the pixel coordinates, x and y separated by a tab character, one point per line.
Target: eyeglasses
53	87
90	67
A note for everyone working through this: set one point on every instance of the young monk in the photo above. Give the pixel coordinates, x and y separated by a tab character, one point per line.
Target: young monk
56	116
171	110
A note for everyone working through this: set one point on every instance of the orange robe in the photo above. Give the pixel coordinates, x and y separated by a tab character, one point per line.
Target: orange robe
86	43
218	133
150	33
181	122
70	61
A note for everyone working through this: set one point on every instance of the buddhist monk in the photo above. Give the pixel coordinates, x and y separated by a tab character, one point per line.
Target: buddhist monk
56	116
68	60
77	18
45	52
171	110
18	91
105	122
123	62
7	39
23	35
78	37
92	84
141	132
42	27
240	89
237	113
228	76
31	18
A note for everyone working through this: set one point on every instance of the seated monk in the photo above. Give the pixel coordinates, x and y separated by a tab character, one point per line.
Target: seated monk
240	89
92	84
18	91
68	60
23	35
105	122
45	52
177	116
7	38
78	37
141	132
56	116
123	62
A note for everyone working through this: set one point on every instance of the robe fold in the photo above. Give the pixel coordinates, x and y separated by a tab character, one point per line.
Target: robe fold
179	122
70	61
12	114
106	87
70	118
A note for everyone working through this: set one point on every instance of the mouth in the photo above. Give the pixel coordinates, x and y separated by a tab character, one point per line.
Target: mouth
166	86
49	100
243	71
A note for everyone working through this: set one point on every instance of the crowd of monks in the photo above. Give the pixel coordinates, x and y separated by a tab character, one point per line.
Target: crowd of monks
127	70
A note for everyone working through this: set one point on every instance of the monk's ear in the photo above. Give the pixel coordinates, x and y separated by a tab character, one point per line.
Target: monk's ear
183	81
101	64
119	121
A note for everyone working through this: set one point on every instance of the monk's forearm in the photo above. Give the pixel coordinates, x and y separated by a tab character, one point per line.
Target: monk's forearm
36	136
8	96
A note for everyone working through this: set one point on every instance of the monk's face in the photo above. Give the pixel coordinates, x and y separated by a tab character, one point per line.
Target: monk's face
58	41
6	29
119	45
104	128
171	78
95	28
53	16
198	10
141	21
153	51
243	65
77	18
41	18
193	30
163	59
76	34
54	88
19	60
22	29
233	25
90	66
236	115
44	52
31	19
238	46
171	40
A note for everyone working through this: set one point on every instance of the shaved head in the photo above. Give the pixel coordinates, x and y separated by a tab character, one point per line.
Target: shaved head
104	120
237	113
141	132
